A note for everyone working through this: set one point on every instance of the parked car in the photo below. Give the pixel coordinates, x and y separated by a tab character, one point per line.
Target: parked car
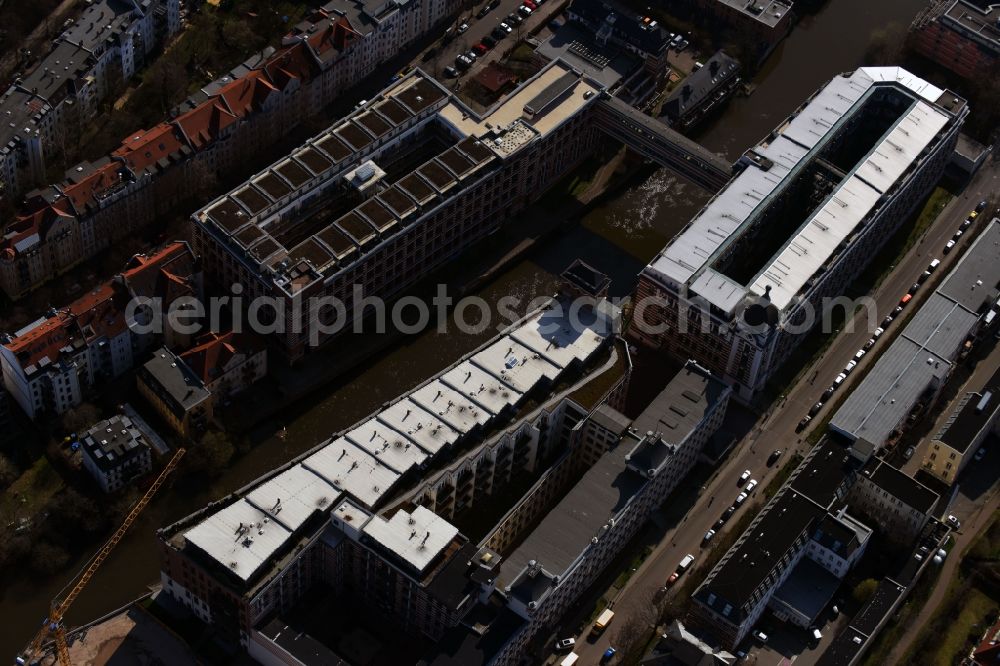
888	320
908	453
462	28
760	636
906	299
742	497
480	49
958	234
859	354
708	536
877	333
948	246
750	486
923	277
773	458
719	524
827	394
506	28
869	344
803	423
897	311
981	206
728	513
744	476
673	579
530	4
524	10
979	455
913	288
565	644
472	55
489	42
514	19
838	380
850	366
954	522
608	655
450	72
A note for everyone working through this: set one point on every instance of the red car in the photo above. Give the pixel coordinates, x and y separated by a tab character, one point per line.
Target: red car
480	49
530	5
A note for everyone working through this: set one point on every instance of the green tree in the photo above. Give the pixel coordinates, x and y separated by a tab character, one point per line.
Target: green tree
211	455
864	591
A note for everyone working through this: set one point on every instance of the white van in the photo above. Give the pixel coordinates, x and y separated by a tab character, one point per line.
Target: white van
569	659
933	265
816	636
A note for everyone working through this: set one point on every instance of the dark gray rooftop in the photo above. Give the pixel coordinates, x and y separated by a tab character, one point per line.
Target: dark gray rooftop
808	589
681	405
699	87
182	385
975	279
900	485
567	530
111	442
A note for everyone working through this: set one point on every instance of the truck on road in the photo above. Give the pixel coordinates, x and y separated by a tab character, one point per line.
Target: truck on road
603	620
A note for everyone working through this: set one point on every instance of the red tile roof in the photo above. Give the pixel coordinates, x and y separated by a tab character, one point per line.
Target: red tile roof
92	316
247	94
145	148
167	272
337	35
291	62
87	191
38	219
214	351
205	123
988	650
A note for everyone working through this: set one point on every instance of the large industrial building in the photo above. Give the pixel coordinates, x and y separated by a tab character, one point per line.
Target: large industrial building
343	514
390	193
814	203
909	376
960	35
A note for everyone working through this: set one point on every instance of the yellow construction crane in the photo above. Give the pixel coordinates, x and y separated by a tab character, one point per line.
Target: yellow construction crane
54	629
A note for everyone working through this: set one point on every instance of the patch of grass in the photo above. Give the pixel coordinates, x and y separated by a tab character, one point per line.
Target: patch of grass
31	491
986	547
966	610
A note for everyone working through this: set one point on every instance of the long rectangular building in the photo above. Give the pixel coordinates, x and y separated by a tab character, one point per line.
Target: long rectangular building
914	369
390	193
332	514
744	281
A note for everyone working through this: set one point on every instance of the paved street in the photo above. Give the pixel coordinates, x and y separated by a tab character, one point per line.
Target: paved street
479	28
777	430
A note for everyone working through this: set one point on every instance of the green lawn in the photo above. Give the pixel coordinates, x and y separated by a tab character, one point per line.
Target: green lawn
947	634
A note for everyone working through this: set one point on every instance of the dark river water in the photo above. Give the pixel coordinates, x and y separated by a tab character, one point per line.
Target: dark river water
620	235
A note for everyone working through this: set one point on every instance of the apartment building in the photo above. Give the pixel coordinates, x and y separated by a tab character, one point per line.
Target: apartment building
110	39
791	557
763	23
115	452
908	377
227	363
365	512
958	442
177	394
898	503
703	92
962	36
216	130
52	364
575	541
750	275
348	207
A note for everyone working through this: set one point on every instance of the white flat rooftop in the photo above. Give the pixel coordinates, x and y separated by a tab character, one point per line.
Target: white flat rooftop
450	406
417	538
685	261
552	335
853	200
515	364
350	468
239	537
391	447
292	496
428	431
511	109
481	387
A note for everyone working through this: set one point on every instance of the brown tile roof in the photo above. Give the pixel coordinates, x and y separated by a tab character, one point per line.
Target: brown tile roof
167	272
147	147
291	62
214	351
205	123
38	219
247	94
86	193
